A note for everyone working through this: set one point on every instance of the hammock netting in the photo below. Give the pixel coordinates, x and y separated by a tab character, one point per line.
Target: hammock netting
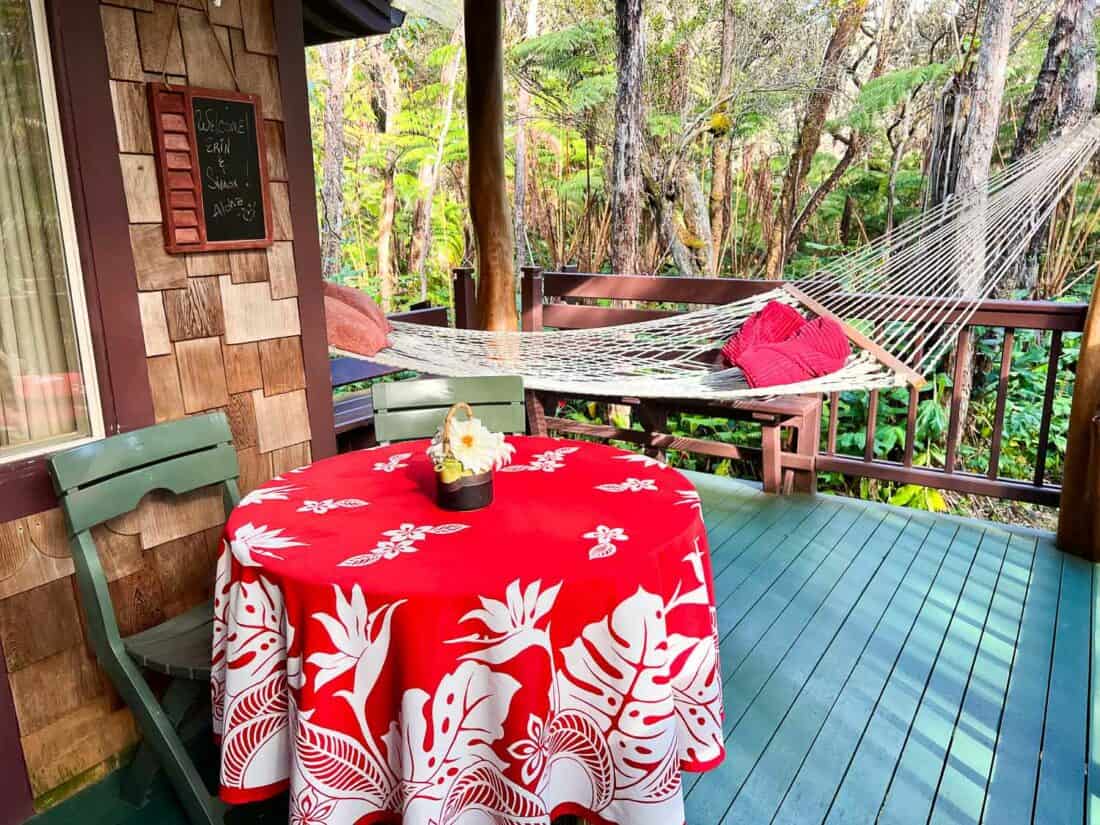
902	299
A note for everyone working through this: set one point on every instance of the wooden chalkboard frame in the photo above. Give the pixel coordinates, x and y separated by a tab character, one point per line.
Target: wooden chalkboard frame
175	146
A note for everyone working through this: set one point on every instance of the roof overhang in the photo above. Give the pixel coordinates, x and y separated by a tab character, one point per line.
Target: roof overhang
327	21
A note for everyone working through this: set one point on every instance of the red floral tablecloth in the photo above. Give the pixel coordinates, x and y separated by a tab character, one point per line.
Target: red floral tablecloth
389	661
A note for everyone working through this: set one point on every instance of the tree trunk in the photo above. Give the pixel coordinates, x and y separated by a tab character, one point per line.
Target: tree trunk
387	269
428	178
626	160
489	210
336	62
519	178
718	204
809	135
1078	98
975	154
1041	102
696	219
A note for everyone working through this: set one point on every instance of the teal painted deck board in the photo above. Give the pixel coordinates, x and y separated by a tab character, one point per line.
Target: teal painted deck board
757	698
1011	790
869	772
916	777
961	792
759	797
854	632
811	792
1059	799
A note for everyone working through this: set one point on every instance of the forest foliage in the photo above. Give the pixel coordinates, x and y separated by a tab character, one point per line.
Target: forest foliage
390	146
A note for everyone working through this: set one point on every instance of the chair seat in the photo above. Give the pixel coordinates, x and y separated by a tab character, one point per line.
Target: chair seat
179	647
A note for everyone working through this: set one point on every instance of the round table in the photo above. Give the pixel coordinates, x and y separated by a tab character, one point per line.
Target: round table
389	661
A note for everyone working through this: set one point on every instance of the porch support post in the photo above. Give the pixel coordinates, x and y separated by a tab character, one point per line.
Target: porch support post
1079	517
489	209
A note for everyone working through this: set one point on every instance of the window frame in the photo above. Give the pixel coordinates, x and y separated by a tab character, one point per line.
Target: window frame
82	331
90	179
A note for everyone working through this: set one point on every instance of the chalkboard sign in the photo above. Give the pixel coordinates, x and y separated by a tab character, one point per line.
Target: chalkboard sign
212	167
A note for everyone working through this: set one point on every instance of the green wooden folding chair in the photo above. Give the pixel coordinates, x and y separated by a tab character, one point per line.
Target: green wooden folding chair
98	482
407	410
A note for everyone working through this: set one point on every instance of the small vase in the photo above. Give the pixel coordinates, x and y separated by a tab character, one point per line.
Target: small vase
465	492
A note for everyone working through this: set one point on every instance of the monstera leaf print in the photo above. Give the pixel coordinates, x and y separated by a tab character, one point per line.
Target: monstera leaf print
697	684
339	767
660	784
441	735
483	788
617	673
255	746
255	635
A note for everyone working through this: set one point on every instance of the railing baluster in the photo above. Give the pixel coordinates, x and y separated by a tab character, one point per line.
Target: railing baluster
963	353
1048	406
1002	401
911	426
872	426
834	417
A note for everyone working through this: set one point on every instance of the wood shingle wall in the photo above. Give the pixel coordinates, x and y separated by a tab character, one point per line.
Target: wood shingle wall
221	331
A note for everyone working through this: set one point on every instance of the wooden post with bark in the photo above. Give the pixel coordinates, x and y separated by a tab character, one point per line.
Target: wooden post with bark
1079	516
490	212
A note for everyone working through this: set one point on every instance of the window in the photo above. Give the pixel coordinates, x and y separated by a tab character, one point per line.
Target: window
48	390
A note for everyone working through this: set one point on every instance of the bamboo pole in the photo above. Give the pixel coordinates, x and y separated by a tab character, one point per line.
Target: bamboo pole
489	209
1078	523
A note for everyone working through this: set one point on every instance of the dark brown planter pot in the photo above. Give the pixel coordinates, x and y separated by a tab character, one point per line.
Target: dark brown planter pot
466	493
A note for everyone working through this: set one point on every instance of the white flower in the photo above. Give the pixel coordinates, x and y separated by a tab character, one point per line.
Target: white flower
632	485
476	448
605	541
531	751
249	540
262	494
324	505
353	631
407	533
395	462
513	622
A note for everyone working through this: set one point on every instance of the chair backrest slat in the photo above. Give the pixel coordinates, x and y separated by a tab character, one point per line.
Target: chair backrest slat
117	454
405	410
97	503
102	480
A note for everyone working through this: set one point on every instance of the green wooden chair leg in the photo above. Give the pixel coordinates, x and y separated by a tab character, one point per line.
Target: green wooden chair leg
162	739
178	700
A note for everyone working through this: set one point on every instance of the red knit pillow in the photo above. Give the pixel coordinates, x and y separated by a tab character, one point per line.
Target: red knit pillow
776	322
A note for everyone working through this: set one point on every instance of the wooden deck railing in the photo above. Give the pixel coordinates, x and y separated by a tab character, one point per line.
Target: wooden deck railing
568	300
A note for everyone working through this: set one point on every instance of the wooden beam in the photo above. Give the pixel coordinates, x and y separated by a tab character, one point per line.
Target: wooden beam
489	208
1079	518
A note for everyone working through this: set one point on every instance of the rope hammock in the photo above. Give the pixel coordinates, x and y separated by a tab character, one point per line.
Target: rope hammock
901	300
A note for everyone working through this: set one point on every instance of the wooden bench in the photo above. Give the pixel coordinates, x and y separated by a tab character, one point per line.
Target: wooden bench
353	411
787	464
566	300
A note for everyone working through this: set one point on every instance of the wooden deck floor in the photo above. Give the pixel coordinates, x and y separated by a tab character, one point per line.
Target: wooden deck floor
884	665
880	665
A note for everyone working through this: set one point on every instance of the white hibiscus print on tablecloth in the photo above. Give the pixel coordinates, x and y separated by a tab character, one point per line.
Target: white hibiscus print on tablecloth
401	540
249	541
307	808
512	624
394	462
605	541
357	633
690	498
325	505
644	460
631	485
547	462
259	496
532	751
